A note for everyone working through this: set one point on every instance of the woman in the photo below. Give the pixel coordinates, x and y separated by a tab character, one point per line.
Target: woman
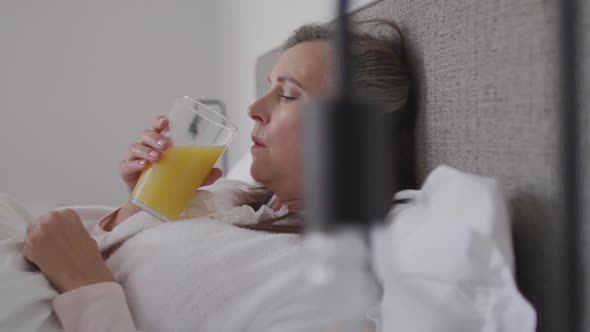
91	295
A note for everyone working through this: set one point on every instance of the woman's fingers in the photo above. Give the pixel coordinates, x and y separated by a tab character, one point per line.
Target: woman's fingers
155	140
213	176
141	151
131	168
160	123
148	149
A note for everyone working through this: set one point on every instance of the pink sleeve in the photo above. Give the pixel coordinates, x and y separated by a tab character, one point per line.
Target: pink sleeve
98	307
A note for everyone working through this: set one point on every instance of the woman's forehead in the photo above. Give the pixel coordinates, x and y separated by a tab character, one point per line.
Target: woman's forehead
307	63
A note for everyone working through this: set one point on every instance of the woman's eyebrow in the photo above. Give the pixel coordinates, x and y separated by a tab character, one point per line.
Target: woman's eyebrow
287	79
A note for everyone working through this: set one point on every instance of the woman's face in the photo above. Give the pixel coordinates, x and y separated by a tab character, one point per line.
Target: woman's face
301	73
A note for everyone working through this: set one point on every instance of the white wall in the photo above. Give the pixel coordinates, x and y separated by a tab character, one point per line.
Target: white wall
79	80
248	29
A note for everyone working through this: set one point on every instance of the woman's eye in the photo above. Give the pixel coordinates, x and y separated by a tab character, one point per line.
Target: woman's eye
288	98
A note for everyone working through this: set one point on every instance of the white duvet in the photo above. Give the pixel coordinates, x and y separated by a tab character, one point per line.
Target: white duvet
25	294
198	273
444	261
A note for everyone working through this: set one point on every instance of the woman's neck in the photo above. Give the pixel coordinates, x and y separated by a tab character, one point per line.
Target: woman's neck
286	193
294	204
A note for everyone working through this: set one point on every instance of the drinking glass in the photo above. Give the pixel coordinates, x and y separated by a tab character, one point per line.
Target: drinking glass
199	136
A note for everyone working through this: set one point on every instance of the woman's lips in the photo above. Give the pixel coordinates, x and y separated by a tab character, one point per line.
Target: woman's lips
257	144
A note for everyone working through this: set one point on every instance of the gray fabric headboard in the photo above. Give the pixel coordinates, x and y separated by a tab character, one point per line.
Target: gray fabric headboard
487	95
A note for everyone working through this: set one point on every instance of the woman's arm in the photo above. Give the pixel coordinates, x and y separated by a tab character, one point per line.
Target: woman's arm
59	245
97	307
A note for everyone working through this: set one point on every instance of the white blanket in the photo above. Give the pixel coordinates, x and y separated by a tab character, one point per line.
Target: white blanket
195	274
444	262
25	294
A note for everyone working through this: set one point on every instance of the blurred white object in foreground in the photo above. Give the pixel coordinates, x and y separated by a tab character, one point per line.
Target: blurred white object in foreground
446	260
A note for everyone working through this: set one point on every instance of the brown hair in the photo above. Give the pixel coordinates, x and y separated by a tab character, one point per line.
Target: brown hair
379	72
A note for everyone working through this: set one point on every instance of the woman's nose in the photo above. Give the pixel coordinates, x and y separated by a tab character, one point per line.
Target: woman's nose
258	111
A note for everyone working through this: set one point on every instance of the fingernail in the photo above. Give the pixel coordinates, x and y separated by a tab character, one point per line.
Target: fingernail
161	143
154	154
141	162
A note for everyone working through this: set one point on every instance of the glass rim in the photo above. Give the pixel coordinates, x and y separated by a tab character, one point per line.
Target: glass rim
231	127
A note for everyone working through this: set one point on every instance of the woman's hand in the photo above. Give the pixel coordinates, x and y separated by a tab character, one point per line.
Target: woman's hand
149	148
59	245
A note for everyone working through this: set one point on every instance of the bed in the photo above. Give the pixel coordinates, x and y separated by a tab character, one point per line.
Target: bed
487	101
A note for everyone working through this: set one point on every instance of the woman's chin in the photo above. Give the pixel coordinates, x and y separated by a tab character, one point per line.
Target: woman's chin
255	171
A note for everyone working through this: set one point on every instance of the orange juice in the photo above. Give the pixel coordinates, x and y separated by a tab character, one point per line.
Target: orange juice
168	185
